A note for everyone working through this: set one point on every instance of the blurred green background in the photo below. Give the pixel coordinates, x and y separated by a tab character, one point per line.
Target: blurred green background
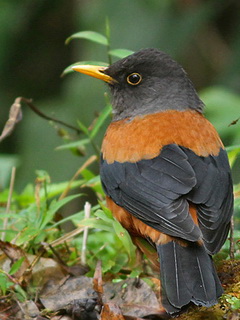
204	36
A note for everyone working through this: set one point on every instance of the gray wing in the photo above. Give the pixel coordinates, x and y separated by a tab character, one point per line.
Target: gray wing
158	191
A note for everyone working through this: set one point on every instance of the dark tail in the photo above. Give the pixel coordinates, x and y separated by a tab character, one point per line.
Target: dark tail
187	275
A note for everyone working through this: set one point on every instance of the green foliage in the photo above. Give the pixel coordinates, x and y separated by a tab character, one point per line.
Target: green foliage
89	134
100	39
233	153
5	284
89	35
234	302
120	53
222	104
34	214
96	63
15	267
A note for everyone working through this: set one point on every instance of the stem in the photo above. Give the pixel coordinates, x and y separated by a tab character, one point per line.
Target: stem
95	147
87	210
108	41
84	166
29	103
5	223
231	238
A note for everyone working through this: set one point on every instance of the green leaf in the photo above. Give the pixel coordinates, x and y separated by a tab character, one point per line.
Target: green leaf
95	182
27	196
74	144
121	260
120	53
126	240
43	175
234	302
57	188
231	148
4	283
54	207
75	218
101	119
97	223
222	108
107	265
107	211
135	273
101	214
9	231
83	127
27	235
16	266
9	215
108	30
233	154
95	63
87	174
89	35
78	217
20	293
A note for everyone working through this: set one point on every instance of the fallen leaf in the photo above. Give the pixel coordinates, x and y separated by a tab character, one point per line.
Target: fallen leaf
111	311
97	279
14	254
29	309
57	297
15	115
134	297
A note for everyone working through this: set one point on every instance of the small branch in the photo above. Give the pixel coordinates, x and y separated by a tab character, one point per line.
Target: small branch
66	237
15	115
5	222
87	210
11	278
231	239
29	103
84	166
108	41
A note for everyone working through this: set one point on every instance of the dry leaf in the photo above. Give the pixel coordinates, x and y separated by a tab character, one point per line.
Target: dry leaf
97	280
15	115
134	298
14	253
59	296
111	311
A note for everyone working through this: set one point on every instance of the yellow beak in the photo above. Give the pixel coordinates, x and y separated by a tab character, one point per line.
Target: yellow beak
94	71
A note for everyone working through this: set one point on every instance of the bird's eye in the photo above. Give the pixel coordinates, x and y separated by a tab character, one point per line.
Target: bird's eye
134	78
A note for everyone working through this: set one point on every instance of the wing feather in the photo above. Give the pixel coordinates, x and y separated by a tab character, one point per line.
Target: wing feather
158	192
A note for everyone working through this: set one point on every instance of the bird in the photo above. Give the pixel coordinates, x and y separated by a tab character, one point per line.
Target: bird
165	173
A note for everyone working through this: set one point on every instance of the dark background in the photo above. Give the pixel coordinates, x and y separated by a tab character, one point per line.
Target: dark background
204	36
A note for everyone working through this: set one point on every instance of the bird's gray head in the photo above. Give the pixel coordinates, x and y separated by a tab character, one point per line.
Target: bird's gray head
146	82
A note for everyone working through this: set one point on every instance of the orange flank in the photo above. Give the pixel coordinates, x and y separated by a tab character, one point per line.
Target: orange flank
139	229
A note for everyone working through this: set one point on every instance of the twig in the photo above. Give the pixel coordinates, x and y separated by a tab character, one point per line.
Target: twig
15	115
65	237
87	210
84	166
108	41
231	239
11	278
29	103
5	223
